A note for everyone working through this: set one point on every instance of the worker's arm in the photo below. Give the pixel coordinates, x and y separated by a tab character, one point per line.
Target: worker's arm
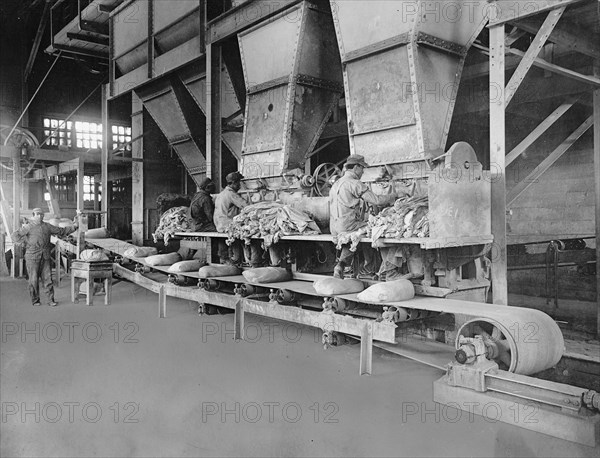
20	235
63	231
209	208
238	201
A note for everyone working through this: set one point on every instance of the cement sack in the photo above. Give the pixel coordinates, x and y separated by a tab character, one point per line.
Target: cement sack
99	233
334	286
98	288
93	255
54	221
390	291
163	259
140	251
218	271
187	266
267	275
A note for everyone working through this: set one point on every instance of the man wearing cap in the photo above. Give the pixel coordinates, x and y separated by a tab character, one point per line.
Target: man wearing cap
201	211
36	236
348	199
228	204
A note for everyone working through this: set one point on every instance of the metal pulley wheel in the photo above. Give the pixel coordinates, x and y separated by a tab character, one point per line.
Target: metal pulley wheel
22	139
322	177
524	342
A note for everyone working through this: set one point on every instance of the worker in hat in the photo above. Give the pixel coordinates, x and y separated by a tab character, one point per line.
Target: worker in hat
228	204
36	236
348	200
202	208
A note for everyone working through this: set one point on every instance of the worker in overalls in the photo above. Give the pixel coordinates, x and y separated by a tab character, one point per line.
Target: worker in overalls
202	208
228	204
36	236
348	201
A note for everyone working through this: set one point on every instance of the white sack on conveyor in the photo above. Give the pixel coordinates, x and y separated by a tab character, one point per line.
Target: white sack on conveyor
54	221
187	266
390	291
163	259
93	255
218	271
333	286
267	275
140	252
99	233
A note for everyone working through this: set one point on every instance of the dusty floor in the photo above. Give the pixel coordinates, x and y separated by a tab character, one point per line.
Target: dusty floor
116	381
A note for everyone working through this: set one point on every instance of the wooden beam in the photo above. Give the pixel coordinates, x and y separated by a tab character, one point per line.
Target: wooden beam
597	181
584	43
532	52
555	155
137	171
502	11
244	16
53	202
16	218
537	132
38	39
497	165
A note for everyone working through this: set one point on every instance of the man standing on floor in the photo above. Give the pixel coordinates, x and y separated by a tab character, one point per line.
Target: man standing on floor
36	236
202	208
348	199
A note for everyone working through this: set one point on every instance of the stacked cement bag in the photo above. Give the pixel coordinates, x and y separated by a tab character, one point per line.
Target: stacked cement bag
171	221
270	220
409	217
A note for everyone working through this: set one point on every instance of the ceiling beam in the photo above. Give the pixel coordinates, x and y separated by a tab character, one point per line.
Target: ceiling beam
502	11
587	43
38	39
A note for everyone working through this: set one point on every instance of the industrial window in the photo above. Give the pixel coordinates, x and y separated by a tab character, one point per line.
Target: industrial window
89	189
65	187
89	134
58	131
121	138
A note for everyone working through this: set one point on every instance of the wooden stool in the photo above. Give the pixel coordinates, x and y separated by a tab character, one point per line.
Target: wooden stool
90	271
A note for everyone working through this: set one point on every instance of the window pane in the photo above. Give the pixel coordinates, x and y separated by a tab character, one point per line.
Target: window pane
53	123
69	125
121	130
46	122
128	130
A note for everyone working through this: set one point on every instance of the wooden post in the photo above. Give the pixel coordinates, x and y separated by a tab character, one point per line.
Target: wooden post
137	169
597	180
497	164
106	147
213	120
16	259
80	207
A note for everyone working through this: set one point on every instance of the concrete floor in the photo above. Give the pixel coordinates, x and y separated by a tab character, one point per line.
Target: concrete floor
181	386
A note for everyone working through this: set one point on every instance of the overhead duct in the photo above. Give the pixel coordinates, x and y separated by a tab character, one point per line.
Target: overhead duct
401	72
293	80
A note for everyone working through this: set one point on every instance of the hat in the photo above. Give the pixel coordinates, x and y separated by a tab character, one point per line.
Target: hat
205	183
357	160
233	177
37	210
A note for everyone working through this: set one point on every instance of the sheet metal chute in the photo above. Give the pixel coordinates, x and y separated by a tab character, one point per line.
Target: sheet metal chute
401	72
293	80
178	105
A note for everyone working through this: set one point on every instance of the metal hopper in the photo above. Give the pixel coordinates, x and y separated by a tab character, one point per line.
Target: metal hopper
401	72
293	80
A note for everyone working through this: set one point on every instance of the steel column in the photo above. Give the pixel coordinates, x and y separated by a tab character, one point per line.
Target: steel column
213	106
137	171
597	180
104	159
16	259
497	164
